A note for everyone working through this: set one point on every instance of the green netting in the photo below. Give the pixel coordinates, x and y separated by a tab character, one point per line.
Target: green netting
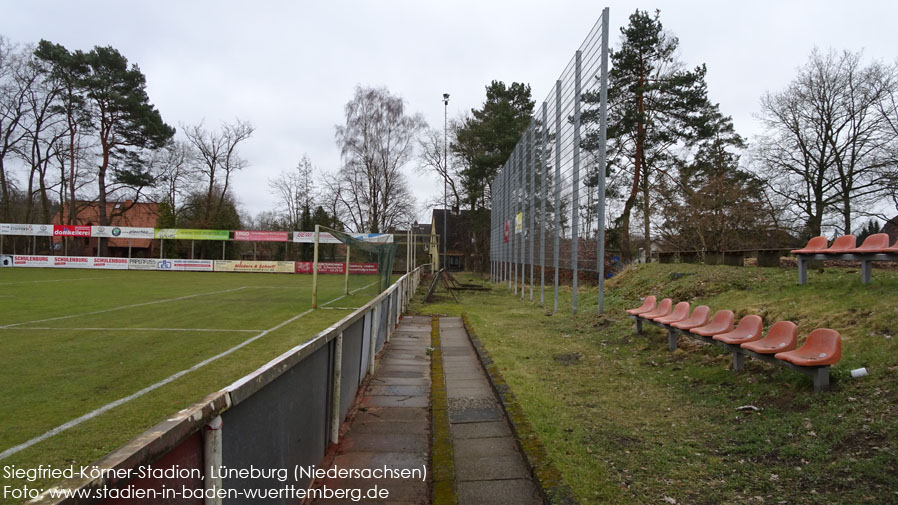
370	249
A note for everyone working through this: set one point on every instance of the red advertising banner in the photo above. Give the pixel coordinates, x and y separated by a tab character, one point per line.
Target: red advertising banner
66	230
507	233
305	267
261	236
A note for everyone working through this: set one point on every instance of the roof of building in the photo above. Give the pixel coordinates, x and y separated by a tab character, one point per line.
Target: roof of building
127	213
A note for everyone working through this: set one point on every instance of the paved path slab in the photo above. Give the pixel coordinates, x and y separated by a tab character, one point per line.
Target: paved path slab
391	428
489	469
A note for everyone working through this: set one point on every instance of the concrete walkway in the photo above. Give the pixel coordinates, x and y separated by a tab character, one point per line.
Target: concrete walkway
489	469
392	426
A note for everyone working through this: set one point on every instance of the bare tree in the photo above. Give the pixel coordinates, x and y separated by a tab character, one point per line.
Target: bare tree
218	158
295	191
377	140
13	89
173	165
434	160
825	138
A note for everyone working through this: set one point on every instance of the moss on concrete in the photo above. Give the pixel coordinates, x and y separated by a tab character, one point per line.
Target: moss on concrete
442	461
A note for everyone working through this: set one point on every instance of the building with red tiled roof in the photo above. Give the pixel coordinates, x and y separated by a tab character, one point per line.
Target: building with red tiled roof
119	214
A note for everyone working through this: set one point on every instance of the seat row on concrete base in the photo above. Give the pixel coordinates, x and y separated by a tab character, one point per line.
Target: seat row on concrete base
822	348
875	248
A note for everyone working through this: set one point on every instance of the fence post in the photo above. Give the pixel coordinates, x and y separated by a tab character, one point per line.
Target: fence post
372	350
523	173
544	185
557	183
514	219
336	417
603	125
212	460
532	162
575	199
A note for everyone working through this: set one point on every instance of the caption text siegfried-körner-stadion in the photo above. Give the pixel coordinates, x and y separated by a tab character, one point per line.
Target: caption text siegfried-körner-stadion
299	473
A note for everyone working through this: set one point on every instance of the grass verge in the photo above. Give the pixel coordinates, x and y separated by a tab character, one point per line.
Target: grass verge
627	422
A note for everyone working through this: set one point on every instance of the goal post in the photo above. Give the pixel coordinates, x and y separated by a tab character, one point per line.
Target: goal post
373	252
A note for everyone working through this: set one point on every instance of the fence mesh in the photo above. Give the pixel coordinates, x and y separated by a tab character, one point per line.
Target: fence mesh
548	215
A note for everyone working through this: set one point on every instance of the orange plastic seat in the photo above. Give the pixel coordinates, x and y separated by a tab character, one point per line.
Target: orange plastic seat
892	249
843	244
749	329
680	312
646	306
878	242
781	337
698	318
822	347
722	322
815	245
661	310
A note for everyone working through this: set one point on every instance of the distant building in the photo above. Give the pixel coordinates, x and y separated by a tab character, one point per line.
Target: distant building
458	247
891	229
119	214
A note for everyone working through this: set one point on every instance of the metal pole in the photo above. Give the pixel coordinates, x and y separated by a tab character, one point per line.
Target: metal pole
532	160
346	274
575	199
557	184
335	393
212	460
523	172
161	248
514	217
603	126
445	180
315	268
544	184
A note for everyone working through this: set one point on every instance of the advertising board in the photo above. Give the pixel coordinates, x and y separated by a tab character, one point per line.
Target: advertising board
254	266
122	232
187	234
261	236
30	230
305	267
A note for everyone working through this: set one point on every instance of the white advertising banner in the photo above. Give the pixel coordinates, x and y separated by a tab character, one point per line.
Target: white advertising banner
121	232
308	237
172	265
285	267
31	230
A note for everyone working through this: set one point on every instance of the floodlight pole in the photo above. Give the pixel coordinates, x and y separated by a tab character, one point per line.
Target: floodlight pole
315	269
445	180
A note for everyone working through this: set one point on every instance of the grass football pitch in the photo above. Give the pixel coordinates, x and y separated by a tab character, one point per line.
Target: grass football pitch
72	342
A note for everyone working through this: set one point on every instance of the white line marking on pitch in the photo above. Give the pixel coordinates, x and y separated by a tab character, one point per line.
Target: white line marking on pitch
109	406
55	280
123	307
213	330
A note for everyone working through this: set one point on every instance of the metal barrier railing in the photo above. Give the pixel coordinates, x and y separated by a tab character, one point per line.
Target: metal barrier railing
281	416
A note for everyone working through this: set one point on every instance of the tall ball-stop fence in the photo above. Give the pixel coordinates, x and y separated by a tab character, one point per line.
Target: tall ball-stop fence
548	200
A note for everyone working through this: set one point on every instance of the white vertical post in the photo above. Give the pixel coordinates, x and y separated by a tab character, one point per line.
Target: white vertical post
315	269
372	348
556	245
336	417
212	461
346	273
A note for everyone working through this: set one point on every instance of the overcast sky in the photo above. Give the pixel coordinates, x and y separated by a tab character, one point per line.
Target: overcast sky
290	67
